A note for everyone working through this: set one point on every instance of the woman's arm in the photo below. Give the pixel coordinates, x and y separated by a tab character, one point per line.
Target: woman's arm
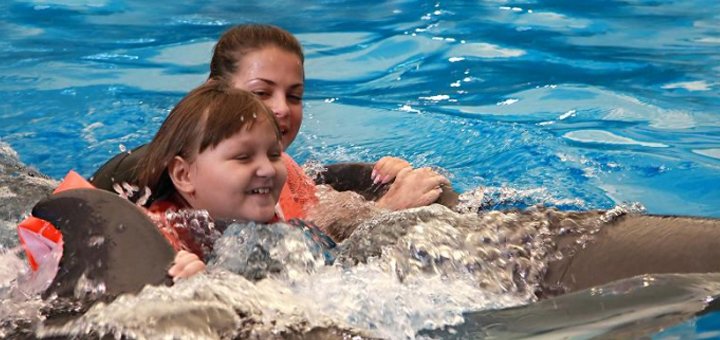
357	177
387	168
338	213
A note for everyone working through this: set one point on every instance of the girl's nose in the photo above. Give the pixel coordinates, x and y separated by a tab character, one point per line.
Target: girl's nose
266	168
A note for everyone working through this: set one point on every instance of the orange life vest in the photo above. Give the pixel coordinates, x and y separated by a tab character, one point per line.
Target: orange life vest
38	237
298	193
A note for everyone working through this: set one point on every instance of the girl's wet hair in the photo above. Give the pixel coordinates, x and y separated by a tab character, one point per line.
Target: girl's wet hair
240	40
205	117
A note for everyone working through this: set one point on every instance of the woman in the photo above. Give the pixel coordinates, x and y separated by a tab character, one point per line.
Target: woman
268	61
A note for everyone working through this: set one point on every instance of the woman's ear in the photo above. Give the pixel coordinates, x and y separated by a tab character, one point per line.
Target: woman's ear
179	171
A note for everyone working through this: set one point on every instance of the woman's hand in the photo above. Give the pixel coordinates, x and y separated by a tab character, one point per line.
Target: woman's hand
387	168
413	188
186	264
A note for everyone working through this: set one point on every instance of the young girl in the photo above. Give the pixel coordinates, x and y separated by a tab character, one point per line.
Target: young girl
219	150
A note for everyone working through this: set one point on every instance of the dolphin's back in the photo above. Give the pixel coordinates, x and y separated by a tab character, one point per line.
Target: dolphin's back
635	245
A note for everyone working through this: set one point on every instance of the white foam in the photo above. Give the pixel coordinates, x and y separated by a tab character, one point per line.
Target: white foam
145	78
373	60
191	54
507	102
436	98
604	137
548	102
484	50
566	115
408	108
698	85
545	20
709	40
71	4
714	153
315	42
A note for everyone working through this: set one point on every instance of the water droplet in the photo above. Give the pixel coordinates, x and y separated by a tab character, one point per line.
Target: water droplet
96	241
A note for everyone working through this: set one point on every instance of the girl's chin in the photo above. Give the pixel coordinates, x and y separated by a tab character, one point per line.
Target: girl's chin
264	216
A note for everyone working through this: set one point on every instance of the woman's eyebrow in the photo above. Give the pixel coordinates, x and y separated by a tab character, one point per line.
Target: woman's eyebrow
270	82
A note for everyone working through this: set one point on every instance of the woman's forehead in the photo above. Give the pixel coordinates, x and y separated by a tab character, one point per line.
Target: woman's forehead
270	59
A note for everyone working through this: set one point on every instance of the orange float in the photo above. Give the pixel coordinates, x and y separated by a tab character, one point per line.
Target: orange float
38	237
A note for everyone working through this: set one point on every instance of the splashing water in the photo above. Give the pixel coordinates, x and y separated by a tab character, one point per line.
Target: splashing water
313	168
485	198
397	274
20	302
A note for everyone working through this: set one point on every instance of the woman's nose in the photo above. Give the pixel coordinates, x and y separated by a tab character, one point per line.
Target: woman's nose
280	106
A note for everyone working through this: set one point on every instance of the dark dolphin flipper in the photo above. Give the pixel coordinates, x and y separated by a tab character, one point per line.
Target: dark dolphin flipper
356	177
106	239
638	244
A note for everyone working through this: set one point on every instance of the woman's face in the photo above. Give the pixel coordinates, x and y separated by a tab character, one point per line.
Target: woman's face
277	77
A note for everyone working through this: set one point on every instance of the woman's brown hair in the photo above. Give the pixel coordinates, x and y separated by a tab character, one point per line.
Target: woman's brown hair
243	39
205	117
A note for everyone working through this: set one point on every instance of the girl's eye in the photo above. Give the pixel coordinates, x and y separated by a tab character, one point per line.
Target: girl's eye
275	153
242	157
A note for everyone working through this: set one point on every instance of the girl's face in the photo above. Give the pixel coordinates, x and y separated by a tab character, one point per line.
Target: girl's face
277	77
241	177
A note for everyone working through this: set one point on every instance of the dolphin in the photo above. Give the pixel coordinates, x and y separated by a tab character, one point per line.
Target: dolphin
109	242
635	245
109	239
625	309
630	245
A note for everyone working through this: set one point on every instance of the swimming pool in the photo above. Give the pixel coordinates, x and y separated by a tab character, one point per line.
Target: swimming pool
578	106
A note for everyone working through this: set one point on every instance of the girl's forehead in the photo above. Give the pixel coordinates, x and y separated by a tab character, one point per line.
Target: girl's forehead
260	122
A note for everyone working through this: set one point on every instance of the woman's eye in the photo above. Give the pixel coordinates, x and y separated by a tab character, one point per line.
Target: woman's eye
295	98
261	93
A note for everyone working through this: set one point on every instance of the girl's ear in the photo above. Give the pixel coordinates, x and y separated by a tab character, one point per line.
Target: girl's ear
179	171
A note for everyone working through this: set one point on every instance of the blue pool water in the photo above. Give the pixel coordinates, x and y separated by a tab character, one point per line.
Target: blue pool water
579	105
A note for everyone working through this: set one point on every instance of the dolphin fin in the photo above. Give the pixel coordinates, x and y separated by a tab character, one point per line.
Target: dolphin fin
107	241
